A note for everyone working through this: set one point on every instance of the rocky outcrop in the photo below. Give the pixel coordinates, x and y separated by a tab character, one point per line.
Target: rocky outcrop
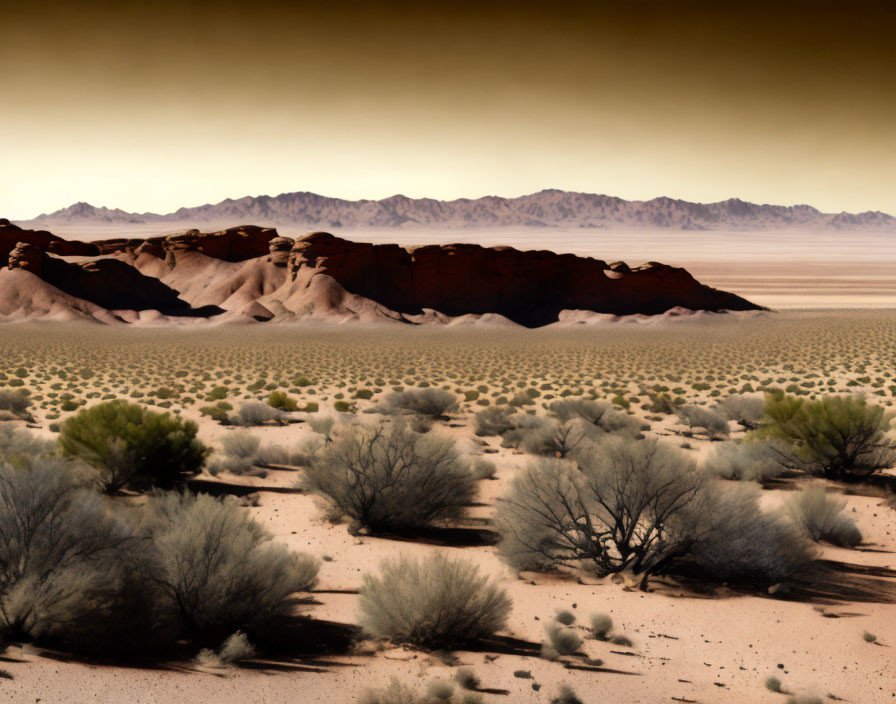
530	288
253	274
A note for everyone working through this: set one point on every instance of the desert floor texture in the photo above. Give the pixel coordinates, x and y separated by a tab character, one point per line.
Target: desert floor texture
691	642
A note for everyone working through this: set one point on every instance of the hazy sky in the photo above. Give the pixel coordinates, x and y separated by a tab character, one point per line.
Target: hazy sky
162	104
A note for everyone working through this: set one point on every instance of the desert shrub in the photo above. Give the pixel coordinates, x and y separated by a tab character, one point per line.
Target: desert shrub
438	602
493	421
822	517
594	413
233	650
601	625
735	540
557	439
15	402
60	556
19	446
323	425
804	699
618	509
282	401
561	640
395	693
256	413
566	695
133	446
390	478
466	678
747	460
440	691
773	684
435	403
523	425
565	616
218	569
714	423
215	413
746	410
839	437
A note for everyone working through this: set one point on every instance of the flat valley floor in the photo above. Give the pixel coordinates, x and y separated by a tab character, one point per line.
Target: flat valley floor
691	642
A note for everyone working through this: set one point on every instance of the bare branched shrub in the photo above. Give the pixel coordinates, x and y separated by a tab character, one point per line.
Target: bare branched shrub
218	569
822	517
749	460
439	602
618	509
839	437
746	410
435	403
494	420
390	478
714	423
599	414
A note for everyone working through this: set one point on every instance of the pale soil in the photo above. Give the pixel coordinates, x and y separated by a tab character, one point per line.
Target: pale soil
714	647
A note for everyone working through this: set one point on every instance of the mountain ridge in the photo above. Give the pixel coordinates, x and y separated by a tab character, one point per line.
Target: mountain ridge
548	208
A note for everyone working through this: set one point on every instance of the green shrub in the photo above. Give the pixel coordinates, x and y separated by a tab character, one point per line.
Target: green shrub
839	437
282	400
133	446
601	625
561	640
439	602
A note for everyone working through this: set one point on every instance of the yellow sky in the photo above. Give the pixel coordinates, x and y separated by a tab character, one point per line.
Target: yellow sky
178	104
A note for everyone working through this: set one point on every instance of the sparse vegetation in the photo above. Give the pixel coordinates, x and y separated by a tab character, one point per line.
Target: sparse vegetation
439	602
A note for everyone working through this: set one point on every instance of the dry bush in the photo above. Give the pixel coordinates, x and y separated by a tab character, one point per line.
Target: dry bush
494	420
257	413
746	410
748	460
598	414
218	569
434	403
438	602
714	423
16	402
822	517
61	557
395	693
618	509
390	478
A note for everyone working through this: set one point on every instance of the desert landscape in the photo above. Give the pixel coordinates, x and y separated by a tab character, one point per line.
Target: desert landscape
448	352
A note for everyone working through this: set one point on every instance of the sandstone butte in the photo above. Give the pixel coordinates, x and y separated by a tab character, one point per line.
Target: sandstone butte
249	273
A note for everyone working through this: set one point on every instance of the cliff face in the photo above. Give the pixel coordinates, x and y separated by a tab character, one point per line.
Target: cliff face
530	288
252	274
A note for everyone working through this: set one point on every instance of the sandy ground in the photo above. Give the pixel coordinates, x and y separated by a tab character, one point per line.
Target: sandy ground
778	269
716	647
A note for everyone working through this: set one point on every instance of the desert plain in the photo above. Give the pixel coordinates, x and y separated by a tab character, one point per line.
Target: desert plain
684	639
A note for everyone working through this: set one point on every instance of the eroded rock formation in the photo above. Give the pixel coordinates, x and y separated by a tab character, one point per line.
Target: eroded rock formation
252	274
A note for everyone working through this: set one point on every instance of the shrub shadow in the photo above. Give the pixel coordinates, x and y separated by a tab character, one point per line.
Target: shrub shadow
444	537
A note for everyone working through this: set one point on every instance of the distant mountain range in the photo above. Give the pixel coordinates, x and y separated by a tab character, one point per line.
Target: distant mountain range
548	208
